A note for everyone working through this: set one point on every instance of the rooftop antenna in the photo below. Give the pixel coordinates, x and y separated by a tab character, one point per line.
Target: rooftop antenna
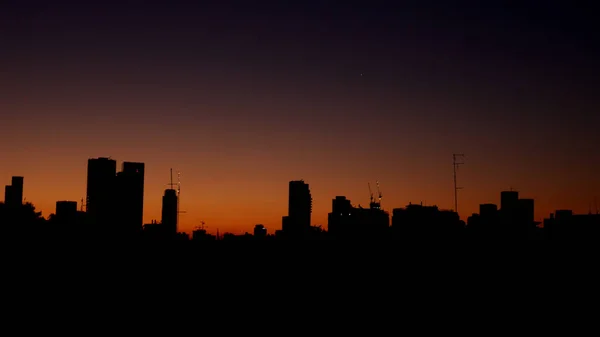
457	159
171	183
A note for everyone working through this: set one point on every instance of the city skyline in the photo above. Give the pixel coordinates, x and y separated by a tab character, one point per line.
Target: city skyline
242	98
114	200
113	195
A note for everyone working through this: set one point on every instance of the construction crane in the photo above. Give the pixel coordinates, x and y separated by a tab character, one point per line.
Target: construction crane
201	227
372	203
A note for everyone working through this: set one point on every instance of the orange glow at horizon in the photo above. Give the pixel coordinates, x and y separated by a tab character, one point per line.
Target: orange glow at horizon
242	104
243	195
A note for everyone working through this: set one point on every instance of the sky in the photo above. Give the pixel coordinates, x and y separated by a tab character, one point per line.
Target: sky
242	97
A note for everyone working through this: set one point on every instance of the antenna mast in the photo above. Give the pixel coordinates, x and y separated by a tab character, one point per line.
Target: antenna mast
171	184
457	159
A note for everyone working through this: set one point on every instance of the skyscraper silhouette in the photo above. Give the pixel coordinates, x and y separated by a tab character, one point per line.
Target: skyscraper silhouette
100	190
13	194
169	211
509	201
130	198
297	222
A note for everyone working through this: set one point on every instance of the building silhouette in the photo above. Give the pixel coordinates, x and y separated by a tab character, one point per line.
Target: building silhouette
68	218
169	211
115	200
100	196
514	220
154	231
425	222
564	225
346	221
13	193
66	209
297	222
516	215
130	198
201	235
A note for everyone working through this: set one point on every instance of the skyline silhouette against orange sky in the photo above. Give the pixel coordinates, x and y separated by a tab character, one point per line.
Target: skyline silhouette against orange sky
243	98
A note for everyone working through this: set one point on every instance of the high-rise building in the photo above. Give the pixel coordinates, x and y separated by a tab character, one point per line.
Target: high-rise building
299	208
100	204
169	211
8	194
115	201
509	201
13	194
17	190
130	197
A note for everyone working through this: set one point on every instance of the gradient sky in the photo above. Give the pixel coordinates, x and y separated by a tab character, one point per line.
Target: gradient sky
243	97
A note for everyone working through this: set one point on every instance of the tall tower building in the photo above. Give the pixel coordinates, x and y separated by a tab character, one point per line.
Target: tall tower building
299	208
169	211
13	194
100	190
509	201
130	197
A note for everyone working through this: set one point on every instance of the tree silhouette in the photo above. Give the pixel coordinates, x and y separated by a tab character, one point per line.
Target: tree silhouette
21	217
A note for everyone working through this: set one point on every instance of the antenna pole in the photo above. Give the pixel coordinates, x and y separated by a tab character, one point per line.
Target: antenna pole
456	161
